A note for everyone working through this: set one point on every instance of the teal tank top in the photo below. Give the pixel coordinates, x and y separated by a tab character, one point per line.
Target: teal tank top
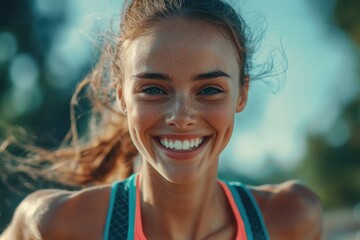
121	213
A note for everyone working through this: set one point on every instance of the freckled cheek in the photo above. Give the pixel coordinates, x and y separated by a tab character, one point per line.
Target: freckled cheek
141	118
220	114
221	118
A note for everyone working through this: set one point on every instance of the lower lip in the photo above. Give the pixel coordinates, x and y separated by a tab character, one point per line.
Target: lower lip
182	155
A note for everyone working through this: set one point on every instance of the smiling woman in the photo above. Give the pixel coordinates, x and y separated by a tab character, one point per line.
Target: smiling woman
189	74
164	94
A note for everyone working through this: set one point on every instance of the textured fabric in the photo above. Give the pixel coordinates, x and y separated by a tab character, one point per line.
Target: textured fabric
241	232
119	222
139	234
119	217
257	227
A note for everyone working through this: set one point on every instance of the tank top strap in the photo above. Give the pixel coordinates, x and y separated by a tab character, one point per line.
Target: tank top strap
122	205
121	211
250	211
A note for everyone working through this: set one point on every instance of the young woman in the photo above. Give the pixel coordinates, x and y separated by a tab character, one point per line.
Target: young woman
181	74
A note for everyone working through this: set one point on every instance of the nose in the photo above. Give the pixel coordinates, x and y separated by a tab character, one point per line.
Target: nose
181	113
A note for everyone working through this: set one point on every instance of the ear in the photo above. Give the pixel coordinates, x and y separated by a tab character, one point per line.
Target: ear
120	99
243	95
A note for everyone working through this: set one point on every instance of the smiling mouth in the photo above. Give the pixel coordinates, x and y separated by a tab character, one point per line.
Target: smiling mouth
182	145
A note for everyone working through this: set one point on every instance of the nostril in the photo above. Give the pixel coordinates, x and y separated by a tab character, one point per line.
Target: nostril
181	113
181	121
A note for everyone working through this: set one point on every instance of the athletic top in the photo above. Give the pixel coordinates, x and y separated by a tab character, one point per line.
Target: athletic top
124	216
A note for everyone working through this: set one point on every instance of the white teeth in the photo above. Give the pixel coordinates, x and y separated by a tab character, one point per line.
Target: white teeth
166	143
181	145
171	144
186	145
178	145
192	143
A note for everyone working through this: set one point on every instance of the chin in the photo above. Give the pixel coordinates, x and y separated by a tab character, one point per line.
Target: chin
188	175
180	177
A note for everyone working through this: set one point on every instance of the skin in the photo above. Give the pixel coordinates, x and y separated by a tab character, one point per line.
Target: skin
183	78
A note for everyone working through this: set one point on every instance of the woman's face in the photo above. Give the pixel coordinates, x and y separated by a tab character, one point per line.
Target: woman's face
180	91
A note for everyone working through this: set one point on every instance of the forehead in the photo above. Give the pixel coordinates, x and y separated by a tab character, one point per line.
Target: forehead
182	41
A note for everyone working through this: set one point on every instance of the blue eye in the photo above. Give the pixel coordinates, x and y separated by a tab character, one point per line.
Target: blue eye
152	90
211	91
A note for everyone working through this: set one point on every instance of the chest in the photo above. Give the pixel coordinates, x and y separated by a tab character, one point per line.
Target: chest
123	221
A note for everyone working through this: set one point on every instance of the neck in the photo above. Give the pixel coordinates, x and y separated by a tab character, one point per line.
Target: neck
182	209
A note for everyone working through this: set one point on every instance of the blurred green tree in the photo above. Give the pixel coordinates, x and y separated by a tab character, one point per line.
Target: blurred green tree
332	164
27	33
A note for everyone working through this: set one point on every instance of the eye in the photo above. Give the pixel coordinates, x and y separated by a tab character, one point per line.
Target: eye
211	91
152	90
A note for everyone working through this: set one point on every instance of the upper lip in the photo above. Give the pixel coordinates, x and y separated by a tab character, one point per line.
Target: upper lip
181	137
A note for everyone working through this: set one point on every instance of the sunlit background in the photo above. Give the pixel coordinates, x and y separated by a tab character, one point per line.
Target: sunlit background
303	123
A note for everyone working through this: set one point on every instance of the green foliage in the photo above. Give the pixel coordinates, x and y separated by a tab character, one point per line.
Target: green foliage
348	18
334	169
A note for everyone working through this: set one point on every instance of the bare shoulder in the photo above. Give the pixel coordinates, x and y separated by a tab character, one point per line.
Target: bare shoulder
59	214
290	210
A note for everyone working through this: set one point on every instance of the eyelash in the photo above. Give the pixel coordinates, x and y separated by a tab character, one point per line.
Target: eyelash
149	90
214	91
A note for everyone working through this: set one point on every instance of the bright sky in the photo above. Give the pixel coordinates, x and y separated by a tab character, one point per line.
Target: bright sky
320	75
273	127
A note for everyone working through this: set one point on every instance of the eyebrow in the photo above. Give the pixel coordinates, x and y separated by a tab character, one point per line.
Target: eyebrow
210	75
165	77
158	76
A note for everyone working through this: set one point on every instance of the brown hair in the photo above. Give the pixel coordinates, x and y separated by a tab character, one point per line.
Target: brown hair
105	151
